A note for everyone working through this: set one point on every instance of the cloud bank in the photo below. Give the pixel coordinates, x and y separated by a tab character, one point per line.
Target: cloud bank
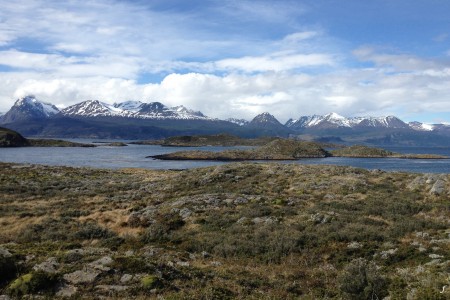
233	59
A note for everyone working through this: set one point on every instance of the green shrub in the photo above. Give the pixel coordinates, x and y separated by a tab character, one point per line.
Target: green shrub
360	279
89	231
162	228
150	282
428	293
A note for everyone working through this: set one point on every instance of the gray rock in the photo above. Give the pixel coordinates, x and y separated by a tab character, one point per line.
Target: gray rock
240	200
265	220
438	187
185	213
354	245
423	235
387	253
183	263
66	291
115	288
4	297
102	264
416	183
126	278
242	220
51	265
143	217
4	252
319	218
82	276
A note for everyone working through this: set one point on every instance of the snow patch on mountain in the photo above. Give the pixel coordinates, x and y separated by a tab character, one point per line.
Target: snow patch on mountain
240	122
131	105
421	126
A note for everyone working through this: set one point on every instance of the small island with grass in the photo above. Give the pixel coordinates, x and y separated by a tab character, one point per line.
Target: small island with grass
360	151
287	149
278	149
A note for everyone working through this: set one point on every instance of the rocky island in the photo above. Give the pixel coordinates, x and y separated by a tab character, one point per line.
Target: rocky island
287	149
278	149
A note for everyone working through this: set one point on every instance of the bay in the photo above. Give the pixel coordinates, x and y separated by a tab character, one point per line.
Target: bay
134	156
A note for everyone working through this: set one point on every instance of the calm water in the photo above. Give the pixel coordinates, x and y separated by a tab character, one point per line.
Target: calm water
134	156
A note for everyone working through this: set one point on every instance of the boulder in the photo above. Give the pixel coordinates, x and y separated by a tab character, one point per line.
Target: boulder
438	187
51	265
82	276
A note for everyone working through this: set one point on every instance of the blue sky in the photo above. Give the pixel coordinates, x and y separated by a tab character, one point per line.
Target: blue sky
233	58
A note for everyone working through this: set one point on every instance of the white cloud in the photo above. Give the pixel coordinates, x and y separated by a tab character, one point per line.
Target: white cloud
285	94
401	62
275	62
263	59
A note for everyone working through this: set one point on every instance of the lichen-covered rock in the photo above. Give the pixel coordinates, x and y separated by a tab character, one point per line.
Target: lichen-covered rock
66	291
82	276
102	264
115	288
51	265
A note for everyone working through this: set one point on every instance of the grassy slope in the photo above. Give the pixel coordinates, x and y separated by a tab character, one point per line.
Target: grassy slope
258	231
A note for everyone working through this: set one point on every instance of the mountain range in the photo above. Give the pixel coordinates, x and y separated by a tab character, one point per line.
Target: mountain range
140	120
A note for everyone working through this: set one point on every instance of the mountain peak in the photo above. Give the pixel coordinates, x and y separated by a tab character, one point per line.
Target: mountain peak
264	117
29	108
334	116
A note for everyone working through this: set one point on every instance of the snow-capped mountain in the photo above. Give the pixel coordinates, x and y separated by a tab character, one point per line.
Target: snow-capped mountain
132	109
334	120
94	108
29	108
240	122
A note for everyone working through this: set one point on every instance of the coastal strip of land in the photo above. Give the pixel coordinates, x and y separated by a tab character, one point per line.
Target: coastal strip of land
285	149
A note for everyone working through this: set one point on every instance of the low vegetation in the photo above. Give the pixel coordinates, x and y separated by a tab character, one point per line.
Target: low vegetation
56	143
369	152
241	230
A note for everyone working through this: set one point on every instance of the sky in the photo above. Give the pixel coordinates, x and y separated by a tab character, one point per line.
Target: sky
232	58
